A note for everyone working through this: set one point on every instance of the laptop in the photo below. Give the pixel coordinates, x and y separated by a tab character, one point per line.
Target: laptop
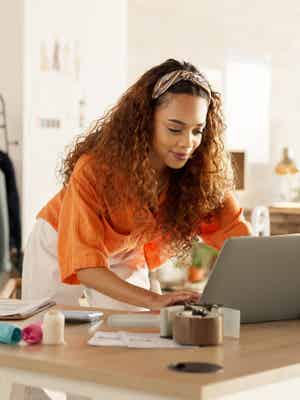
260	276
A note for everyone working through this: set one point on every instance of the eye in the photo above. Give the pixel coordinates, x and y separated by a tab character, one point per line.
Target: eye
174	130
198	132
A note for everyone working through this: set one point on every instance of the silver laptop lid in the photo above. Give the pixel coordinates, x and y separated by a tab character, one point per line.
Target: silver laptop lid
260	276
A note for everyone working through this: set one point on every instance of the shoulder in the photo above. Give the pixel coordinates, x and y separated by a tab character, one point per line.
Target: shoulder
85	163
230	203
88	168
96	179
228	209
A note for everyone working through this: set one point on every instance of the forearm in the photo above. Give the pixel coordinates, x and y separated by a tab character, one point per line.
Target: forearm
105	281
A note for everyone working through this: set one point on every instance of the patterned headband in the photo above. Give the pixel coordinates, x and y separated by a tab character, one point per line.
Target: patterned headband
168	80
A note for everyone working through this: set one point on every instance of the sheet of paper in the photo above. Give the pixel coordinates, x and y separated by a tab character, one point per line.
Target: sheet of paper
133	340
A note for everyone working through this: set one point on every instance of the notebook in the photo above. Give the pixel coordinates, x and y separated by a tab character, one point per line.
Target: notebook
12	309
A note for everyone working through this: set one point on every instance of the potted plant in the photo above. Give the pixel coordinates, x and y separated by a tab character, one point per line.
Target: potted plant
202	258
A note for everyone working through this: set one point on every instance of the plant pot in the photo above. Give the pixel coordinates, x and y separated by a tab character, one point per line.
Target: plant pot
196	274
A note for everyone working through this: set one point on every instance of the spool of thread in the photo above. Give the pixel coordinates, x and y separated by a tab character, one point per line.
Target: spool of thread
167	315
10	334
53	327
198	330
33	333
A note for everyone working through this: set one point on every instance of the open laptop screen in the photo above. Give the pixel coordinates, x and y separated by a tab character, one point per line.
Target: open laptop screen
260	276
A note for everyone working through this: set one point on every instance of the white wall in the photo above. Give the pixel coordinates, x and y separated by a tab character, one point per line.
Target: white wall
101	29
208	33
197	30
11	76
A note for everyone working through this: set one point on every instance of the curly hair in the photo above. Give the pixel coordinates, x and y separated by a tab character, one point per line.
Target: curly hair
122	139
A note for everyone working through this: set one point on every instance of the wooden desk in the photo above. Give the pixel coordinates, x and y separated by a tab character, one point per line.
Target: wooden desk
283	219
266	354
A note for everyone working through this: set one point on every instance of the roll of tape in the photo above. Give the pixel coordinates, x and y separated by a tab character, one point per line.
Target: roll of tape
198	330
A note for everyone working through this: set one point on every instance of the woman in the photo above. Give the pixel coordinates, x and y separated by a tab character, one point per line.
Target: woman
147	178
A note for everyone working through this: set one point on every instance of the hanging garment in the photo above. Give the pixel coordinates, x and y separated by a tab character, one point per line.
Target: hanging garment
13	203
4	230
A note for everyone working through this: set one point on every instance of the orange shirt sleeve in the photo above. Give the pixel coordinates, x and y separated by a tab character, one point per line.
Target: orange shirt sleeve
154	254
80	226
229	221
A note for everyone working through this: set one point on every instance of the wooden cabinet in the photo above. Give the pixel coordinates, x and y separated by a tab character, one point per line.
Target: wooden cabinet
283	219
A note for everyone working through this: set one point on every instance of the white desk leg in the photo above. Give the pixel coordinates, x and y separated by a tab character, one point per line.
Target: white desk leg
19	392
5	388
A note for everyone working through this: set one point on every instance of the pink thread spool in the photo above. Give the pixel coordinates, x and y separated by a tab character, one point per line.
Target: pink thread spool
33	333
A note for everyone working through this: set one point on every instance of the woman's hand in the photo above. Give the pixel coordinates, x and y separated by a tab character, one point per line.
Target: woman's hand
174	298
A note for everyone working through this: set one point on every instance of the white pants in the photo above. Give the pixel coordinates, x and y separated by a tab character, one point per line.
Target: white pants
41	276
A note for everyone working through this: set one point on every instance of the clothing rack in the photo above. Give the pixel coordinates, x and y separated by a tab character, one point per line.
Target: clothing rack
3	123
10	221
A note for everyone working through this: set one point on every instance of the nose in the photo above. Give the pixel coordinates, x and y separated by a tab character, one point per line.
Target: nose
187	140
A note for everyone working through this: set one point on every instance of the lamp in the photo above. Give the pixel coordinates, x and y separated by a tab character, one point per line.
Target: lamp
286	165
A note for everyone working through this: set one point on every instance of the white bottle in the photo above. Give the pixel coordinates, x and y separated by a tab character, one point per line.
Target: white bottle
53	327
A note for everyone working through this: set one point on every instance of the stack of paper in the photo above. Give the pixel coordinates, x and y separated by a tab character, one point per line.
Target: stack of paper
21	309
137	340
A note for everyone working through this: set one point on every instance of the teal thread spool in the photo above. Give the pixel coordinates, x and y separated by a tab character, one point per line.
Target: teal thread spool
10	334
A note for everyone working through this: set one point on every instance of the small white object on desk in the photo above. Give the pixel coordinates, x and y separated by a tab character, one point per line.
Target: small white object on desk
53	327
134	320
231	322
167	315
163	321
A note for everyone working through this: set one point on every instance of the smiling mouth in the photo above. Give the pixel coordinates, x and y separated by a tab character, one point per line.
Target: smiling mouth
180	156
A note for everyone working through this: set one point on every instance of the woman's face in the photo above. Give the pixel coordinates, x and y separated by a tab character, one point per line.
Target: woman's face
178	127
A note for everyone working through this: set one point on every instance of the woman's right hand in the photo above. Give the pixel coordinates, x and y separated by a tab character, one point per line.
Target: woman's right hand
174	298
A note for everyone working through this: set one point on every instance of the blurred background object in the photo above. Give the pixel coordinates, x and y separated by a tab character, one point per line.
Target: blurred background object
260	221
238	159
287	171
286	165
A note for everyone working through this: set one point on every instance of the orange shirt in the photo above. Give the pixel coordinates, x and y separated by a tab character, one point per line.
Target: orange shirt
87	237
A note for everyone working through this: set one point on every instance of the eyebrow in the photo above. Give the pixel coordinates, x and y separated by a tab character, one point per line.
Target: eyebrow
183	123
